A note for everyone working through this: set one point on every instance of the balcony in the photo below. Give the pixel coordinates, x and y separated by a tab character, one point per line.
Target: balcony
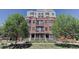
39	22
39	29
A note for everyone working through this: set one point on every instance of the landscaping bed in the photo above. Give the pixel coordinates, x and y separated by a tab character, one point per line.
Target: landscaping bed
18	46
67	45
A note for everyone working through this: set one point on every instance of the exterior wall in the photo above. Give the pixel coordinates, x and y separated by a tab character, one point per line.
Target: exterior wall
38	19
36	13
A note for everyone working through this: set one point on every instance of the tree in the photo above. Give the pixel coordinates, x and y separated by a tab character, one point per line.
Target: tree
16	27
1	30
65	25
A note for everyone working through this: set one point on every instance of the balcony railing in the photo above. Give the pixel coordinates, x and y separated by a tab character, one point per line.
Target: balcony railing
39	30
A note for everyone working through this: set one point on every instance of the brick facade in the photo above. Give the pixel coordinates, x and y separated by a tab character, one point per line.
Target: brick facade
40	23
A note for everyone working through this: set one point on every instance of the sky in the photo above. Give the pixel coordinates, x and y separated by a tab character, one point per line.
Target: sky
4	13
73	12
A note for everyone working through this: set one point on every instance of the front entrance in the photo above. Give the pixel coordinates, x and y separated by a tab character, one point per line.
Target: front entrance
41	36
47	36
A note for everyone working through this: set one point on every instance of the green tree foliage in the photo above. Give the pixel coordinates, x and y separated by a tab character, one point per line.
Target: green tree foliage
1	30
16	26
66	25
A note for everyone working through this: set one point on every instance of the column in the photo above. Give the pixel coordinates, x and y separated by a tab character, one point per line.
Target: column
49	37
45	37
34	36
30	38
38	37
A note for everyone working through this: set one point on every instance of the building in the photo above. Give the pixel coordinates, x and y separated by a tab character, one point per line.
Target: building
40	22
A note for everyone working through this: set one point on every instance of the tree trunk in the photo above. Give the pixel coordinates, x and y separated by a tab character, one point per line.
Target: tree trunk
17	38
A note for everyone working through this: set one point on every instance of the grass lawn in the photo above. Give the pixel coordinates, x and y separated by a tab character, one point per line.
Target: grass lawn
40	44
42	41
43	46
36	44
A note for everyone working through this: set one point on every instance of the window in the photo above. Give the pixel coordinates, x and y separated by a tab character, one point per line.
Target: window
33	28
40	15
45	21
32	13
52	13
29	28
47	16
39	22
47	13
39	29
33	21
46	28
50	28
29	21
50	21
